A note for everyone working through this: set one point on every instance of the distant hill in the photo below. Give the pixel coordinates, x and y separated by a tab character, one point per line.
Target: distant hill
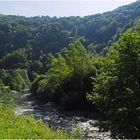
41	35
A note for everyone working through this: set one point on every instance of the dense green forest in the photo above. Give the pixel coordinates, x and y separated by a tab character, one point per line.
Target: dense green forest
23	39
90	62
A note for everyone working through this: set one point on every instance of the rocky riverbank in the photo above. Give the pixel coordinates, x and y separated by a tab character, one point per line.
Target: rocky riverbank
56	117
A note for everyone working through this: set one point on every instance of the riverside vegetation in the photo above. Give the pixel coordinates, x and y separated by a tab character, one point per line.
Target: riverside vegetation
80	63
15	127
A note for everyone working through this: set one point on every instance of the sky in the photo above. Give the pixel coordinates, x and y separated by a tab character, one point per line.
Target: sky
59	8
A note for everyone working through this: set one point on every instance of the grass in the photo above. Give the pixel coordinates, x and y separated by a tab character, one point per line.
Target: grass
24	127
20	127
6	98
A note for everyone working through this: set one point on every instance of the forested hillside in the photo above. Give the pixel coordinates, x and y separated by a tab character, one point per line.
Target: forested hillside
23	39
90	63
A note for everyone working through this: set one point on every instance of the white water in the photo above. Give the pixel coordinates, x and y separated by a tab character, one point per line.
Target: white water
58	118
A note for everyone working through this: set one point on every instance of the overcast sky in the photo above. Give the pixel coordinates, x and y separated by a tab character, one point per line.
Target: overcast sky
59	8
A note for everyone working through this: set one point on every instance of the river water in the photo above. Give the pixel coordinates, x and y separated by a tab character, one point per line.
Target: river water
56	117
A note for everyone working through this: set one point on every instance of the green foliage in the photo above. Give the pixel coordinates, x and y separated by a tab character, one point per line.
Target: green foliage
19	127
17	59
6	98
78	58
19	80
48	34
116	88
25	42
136	26
16	79
69	73
58	71
68	77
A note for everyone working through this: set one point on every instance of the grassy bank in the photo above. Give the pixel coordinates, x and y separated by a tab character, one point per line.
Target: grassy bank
22	127
19	127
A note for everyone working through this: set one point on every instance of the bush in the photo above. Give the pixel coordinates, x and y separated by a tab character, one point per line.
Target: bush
16	79
6	98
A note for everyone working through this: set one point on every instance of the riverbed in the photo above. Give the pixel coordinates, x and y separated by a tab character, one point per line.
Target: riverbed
58	118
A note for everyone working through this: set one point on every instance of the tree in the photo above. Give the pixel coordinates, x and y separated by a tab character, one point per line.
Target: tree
68	77
117	86
16	59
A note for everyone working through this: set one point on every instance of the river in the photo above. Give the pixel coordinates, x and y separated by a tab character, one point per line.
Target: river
56	117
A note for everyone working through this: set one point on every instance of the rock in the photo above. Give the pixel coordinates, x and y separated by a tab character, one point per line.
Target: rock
14	91
61	119
92	122
47	118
